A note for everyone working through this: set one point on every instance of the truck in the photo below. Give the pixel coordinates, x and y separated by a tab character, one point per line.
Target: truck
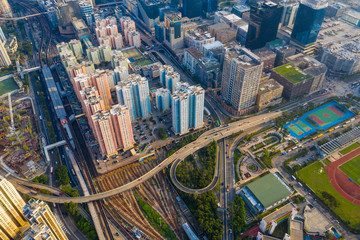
52	170
227	188
283	153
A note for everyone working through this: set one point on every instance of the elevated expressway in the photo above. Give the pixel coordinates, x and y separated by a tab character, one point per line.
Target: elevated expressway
214	134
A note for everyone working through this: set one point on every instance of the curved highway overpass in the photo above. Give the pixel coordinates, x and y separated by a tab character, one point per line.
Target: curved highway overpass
214	134
202	190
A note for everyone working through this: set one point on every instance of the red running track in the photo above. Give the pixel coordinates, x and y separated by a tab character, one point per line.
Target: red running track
340	181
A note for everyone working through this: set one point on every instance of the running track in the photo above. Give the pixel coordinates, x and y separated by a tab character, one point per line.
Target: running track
349	190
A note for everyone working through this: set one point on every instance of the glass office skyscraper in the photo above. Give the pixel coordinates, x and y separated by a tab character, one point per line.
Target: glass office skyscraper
263	25
308	21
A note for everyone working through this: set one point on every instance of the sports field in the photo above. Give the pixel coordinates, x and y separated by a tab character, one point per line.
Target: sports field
316	178
352	169
322	118
131	52
325	116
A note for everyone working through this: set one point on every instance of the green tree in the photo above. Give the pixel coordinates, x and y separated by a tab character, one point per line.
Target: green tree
163	134
27	48
70	191
44	191
41	179
61	175
237	211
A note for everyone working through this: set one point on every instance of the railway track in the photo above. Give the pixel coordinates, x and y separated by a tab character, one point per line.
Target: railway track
153	191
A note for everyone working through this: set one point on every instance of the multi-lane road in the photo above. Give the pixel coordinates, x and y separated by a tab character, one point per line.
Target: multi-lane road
210	135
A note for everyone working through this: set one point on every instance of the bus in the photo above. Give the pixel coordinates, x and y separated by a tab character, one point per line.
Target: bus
52	170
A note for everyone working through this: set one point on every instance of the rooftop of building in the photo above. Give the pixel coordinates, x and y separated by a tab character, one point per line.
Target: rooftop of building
243	56
231	18
276	43
292	73
296	230
307	64
339	5
279	213
219	26
352	13
240	23
349	49
173	16
241	7
225	31
79	24
198	34
213	45
336	31
269	85
268	189
209	62
194	53
264	53
315	4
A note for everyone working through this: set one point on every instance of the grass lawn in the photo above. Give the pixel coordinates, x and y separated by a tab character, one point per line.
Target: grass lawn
316	178
327	161
350	148
270	140
155	219
259	145
8	85
281	230
291	73
352	169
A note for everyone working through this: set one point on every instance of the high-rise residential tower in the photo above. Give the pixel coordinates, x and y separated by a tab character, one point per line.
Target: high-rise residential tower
11	210
4	57
122	126
104	132
38	212
308	21
163	70
263	25
5	9
134	94
171	78
187	108
163	99
241	76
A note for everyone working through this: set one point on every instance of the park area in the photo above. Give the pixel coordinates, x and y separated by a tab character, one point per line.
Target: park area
317	180
352	169
321	118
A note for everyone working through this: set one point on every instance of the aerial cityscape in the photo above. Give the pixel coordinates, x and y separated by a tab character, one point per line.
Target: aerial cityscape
179	119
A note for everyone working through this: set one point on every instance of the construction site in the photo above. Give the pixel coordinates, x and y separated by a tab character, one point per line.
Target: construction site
19	140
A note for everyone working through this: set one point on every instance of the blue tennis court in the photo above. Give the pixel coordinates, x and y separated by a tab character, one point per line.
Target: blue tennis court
322	118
